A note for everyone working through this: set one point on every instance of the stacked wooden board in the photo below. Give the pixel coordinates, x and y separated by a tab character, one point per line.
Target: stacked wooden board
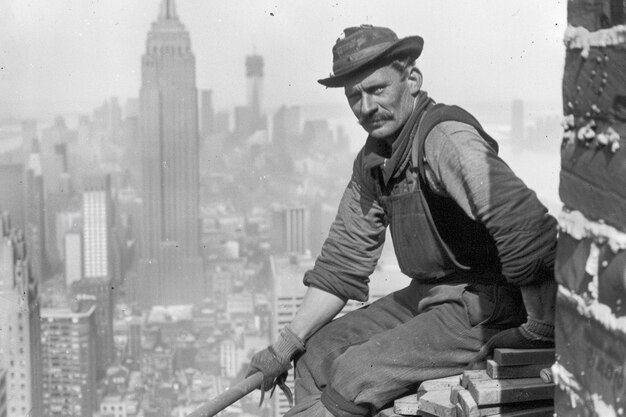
515	383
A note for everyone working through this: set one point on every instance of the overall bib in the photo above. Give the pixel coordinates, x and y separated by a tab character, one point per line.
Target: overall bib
433	238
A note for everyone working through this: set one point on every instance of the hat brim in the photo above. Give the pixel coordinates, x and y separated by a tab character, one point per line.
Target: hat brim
410	46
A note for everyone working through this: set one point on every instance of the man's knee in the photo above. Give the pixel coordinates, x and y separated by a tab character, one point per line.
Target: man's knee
351	375
312	367
312	358
323	348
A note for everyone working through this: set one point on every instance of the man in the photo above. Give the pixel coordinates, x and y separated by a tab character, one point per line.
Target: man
477	243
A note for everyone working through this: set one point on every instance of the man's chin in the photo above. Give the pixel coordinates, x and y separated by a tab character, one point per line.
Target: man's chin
380	133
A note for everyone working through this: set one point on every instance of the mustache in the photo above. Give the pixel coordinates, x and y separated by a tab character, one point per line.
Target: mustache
374	119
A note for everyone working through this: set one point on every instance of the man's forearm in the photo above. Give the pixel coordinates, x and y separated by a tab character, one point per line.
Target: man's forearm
318	308
540	299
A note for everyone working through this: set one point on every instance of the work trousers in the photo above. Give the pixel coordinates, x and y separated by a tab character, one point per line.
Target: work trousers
361	362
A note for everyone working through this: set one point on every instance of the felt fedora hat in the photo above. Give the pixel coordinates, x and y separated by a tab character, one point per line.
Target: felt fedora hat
362	46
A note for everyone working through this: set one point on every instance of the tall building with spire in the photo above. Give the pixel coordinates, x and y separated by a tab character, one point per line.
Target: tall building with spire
250	118
170	268
254	77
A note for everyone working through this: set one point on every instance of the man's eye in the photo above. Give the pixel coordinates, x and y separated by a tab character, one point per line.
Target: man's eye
378	90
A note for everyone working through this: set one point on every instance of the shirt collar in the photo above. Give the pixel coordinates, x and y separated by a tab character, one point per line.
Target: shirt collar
390	157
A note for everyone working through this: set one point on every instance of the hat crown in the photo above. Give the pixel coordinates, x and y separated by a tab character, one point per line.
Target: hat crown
358	38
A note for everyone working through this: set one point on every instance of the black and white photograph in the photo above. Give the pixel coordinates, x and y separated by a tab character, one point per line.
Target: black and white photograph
312	208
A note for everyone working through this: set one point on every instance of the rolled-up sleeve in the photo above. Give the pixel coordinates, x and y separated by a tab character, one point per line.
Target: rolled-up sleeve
464	167
354	243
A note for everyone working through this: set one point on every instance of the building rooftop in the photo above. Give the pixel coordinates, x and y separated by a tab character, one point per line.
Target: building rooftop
66	313
172	313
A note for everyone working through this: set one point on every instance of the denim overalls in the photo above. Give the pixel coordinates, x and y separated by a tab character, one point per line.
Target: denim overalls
431	329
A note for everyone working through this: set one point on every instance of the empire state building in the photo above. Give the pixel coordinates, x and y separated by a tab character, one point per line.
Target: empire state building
170	268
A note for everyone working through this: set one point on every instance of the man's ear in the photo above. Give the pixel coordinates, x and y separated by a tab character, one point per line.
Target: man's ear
415	80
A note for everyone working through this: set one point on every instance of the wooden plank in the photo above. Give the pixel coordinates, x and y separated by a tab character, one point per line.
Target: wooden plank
437	403
454	393
433	402
466	402
502	391
407	406
439	384
533	412
515	357
473	374
494	410
387	412
496	371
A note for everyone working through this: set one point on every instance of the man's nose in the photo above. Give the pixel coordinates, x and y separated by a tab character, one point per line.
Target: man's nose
368	106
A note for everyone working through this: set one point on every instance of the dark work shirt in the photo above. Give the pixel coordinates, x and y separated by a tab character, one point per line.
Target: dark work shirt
461	166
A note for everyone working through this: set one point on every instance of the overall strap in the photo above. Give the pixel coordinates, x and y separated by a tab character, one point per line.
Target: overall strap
437	114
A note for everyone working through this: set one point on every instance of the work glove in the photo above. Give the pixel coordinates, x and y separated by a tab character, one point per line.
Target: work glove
538	331
275	361
534	334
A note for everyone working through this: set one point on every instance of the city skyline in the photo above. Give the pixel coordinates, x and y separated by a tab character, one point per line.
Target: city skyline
506	50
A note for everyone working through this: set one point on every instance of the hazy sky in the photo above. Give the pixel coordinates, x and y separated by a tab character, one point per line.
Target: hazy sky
61	56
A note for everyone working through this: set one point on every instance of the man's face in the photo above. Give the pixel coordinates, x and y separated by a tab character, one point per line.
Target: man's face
381	100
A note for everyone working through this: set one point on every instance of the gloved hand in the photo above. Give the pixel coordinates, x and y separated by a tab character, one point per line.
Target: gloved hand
538	331
275	361
534	334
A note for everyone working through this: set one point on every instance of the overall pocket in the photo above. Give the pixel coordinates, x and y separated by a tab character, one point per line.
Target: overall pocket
480	304
494	306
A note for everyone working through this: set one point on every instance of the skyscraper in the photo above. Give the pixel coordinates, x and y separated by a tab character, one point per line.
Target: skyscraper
250	118
3	393
52	150
34	213
20	347
96	292
286	126
289	230
254	77
97	223
29	131
207	119
12	192
170	267
73	258
69	367
96	286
